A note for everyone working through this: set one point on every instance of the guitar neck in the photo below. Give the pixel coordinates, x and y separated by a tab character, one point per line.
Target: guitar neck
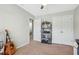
7	37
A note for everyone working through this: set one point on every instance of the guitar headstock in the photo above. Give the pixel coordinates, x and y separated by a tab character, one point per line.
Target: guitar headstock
7	36
6	30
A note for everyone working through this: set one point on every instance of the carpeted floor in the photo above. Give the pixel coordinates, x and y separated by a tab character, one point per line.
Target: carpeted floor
37	48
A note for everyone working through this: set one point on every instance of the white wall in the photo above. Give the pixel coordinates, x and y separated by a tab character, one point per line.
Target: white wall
37	29
76	22
62	21
76	28
16	20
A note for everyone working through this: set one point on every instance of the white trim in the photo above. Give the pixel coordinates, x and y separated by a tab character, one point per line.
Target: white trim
75	48
22	45
75	51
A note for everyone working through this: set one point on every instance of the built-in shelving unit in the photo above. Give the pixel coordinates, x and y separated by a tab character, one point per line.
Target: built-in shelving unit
46	32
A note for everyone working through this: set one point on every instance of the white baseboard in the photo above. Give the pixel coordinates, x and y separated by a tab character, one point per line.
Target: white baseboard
37	40
22	45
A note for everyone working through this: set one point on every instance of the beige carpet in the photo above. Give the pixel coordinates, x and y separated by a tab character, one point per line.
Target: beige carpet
37	48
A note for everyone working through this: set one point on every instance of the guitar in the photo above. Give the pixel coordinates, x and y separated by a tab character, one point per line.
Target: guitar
9	48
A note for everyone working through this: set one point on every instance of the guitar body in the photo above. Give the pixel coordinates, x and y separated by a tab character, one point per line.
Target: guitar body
9	48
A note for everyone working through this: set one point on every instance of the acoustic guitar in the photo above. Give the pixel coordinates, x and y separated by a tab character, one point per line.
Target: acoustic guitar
9	48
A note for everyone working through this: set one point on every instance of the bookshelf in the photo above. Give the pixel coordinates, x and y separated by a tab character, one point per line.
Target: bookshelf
46	32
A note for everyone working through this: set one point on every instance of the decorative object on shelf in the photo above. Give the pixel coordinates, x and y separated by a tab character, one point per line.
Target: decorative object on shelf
9	47
46	32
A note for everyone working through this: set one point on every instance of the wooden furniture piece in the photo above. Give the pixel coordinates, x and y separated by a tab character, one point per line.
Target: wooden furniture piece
46	32
9	47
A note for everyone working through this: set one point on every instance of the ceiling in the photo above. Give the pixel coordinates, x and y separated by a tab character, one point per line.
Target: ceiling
35	10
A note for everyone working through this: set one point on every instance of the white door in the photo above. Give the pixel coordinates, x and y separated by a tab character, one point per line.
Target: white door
62	30
56	30
67	29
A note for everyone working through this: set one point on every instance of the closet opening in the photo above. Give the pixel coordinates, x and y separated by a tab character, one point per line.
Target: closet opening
31	29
